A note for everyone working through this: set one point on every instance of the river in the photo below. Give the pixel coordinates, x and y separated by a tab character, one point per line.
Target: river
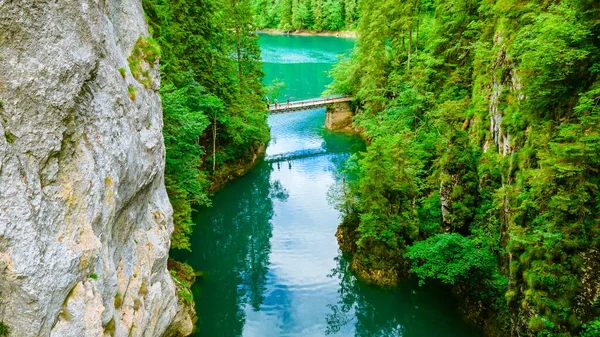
267	248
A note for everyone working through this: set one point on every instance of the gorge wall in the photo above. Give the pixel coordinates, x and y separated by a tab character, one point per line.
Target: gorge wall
85	221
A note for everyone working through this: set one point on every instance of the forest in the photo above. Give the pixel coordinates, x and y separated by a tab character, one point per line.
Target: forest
481	118
311	15
214	117
482	167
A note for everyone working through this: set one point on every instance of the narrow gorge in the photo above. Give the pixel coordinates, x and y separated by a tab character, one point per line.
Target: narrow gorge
292	168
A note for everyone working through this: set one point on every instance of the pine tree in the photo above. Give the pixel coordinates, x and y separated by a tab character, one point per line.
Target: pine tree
286	8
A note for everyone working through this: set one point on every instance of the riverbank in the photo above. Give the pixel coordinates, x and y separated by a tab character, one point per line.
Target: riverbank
235	169
341	33
389	271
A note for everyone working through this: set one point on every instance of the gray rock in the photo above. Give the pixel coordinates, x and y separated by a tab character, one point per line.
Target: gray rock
85	221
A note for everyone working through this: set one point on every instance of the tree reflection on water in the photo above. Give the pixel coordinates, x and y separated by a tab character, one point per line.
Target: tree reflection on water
231	244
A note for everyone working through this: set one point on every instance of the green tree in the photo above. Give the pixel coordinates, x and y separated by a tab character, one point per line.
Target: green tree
451	258
286	9
201	86
499	104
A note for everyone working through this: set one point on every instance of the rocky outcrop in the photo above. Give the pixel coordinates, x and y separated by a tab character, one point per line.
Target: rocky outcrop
339	116
84	216
236	168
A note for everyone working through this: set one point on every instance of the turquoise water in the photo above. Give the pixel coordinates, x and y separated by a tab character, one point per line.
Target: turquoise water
267	248
301	62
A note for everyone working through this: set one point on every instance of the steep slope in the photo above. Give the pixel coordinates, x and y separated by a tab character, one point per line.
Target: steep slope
84	217
483	157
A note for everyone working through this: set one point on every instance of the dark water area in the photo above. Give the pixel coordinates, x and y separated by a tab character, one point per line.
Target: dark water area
271	263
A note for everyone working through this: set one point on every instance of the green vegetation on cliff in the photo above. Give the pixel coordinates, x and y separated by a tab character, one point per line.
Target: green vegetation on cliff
314	15
482	169
212	96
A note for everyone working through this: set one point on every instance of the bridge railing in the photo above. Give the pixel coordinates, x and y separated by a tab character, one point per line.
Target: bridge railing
308	103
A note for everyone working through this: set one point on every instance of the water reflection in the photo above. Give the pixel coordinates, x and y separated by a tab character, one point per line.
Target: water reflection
232	244
407	311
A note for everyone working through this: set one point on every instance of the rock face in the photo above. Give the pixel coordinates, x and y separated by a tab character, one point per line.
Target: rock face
338	116
84	216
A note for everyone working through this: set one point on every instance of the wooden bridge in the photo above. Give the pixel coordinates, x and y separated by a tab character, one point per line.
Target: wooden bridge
306	104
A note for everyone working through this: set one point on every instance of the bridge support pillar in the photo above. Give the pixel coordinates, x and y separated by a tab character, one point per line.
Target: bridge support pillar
338	116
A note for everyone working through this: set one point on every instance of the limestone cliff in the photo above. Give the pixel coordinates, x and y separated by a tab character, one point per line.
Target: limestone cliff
84	216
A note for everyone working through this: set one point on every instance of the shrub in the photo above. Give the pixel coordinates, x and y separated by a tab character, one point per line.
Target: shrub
590	329
123	72
186	296
451	258
4	330
94	276
182	271
146	50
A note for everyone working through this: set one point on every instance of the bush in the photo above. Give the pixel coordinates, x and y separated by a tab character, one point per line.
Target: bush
146	50
4	330
451	258
591	329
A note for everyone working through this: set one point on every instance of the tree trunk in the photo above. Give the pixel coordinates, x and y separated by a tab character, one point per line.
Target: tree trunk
238	43
239	54
214	131
409	47
417	37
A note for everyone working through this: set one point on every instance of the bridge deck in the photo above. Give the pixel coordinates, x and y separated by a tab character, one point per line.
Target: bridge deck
306	104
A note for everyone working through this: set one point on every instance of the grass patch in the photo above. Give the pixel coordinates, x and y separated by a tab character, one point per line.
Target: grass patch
118	300
65	314
184	291
143	289
146	51
184	276
186	295
4	330
183	271
123	72
132	92
110	327
10	138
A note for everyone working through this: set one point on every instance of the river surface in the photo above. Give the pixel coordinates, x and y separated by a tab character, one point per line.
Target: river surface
267	248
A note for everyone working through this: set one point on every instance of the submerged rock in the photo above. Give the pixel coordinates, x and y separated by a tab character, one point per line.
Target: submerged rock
85	221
